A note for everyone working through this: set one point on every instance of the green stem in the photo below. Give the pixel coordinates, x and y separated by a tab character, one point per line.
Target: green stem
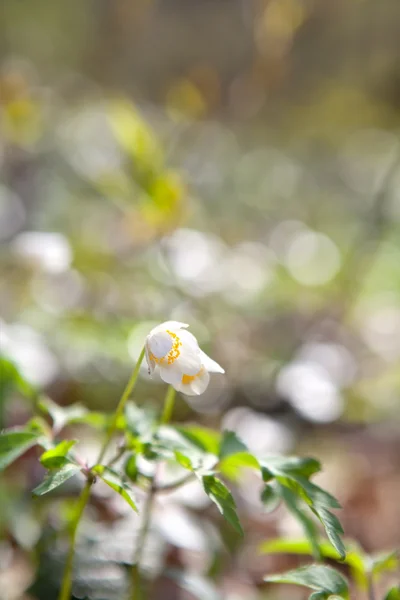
65	593
137	583
168	406
121	405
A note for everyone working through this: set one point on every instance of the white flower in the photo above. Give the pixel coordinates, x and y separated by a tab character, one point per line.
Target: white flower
181	363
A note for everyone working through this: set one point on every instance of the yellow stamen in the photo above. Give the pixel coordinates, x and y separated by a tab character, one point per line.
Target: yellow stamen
172	354
186	379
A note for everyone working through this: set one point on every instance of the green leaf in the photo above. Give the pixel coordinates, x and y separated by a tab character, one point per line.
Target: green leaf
62	415
114	481
354	556
202	438
183	460
393	593
221	496
55	479
13	443
131	469
270	498
139	421
310	530
389	561
324	580
292	475
56	457
291	465
11	378
231	444
231	466
333	529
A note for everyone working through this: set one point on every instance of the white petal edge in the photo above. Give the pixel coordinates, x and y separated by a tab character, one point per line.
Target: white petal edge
211	365
171	325
196	387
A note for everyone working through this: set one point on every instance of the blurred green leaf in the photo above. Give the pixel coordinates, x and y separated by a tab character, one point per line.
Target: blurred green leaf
114	481
204	439
140	422
183	460
131	469
310	530
56	457
393	593
270	497
231	444
13	443
326	581
11	378
388	561
292	474
221	496
54	480
231	465
354	555
63	415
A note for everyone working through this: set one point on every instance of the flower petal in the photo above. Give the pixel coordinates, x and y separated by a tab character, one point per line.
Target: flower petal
189	360
171	374
159	343
171	325
150	363
189	340
211	365
197	386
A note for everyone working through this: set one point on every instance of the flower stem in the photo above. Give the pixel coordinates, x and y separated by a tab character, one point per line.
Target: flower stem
137	583
168	406
65	592
121	405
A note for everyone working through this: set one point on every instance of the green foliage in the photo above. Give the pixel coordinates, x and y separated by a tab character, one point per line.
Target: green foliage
57	457
13	443
361	565
114	481
327	582
56	478
393	594
294	486
221	496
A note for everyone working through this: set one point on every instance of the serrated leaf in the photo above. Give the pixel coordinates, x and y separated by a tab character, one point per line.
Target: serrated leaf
324	580
55	479
56	457
221	496
333	529
13	443
114	481
393	593
310	530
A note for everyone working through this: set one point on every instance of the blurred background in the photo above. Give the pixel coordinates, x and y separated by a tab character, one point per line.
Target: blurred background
234	164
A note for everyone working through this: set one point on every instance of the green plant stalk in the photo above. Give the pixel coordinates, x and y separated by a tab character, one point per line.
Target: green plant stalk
65	592
137	583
